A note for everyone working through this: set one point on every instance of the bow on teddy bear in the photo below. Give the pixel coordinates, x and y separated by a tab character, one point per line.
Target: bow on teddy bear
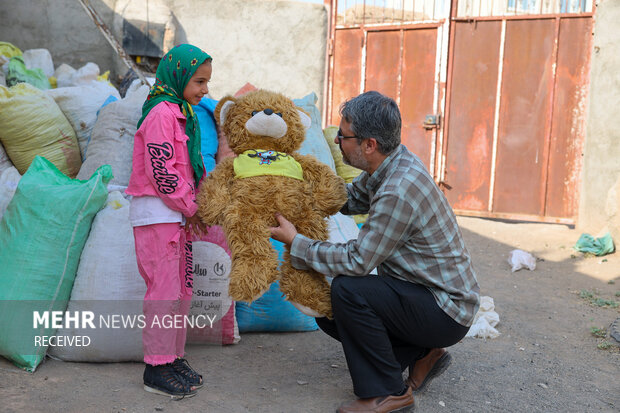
242	194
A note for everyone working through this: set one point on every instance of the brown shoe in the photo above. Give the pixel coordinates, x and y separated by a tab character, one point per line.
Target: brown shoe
428	367
381	404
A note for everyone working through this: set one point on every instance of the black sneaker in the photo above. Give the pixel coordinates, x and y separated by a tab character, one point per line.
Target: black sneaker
165	380
182	367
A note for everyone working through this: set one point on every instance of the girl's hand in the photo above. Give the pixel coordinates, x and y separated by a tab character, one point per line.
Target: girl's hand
195	226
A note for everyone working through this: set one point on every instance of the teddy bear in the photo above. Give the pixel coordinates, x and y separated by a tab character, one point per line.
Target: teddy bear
242	194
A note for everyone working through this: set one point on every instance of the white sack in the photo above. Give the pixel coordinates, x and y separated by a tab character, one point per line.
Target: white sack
80	105
210	300
107	283
111	139
5	162
67	76
9	178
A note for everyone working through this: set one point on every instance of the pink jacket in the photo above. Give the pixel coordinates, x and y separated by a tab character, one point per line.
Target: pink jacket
161	164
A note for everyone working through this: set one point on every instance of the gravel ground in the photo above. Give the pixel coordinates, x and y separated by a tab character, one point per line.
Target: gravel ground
545	360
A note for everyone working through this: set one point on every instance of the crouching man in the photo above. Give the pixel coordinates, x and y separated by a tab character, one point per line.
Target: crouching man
425	295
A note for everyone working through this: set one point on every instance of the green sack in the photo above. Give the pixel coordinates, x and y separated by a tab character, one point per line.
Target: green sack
597	246
42	235
19	73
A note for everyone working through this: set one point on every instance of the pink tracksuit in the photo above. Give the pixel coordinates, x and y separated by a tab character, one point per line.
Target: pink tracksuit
162	172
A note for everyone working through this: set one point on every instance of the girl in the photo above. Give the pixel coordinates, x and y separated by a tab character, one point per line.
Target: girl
167	168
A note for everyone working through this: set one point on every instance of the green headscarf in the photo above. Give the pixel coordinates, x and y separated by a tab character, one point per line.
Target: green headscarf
173	73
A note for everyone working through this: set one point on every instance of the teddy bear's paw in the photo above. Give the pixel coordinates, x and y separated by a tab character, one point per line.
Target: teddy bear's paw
306	310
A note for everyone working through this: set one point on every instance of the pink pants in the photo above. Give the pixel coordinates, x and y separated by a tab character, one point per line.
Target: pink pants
164	257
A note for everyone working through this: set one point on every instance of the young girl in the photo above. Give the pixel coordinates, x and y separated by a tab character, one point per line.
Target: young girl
167	167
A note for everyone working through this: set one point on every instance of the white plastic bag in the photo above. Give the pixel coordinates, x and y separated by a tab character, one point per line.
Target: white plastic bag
485	320
519	259
39	59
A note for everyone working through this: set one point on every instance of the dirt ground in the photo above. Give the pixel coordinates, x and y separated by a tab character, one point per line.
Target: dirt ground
545	360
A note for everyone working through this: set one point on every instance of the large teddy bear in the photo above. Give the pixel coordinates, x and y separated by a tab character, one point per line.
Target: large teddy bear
242	194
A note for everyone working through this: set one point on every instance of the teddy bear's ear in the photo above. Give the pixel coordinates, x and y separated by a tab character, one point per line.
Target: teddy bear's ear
222	108
305	119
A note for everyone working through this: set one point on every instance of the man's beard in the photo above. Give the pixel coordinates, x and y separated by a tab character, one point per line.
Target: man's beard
356	161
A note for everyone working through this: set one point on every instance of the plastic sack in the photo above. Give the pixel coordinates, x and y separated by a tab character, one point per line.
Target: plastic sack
519	259
67	76
80	105
314	144
485	320
271	312
39	59
9	50
210	300
42	235
111	141
5	162
597	246
9	178
107	283
19	73
33	124
208	131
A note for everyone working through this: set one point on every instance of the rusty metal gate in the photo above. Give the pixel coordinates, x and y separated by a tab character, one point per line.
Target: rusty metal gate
401	51
492	93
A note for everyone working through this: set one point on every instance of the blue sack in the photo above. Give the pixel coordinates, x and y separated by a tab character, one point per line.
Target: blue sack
208	131
271	312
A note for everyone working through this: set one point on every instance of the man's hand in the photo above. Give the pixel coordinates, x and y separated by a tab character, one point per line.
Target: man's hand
195	226
285	232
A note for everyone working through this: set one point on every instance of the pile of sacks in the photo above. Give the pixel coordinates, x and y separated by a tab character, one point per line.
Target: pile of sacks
65	234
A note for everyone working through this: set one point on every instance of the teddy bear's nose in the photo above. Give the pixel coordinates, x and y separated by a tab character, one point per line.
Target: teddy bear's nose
268	111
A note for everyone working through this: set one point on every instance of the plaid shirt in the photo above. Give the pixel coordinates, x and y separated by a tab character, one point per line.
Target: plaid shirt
411	234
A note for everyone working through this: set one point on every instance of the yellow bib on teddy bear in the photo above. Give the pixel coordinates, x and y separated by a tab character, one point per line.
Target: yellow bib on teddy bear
258	162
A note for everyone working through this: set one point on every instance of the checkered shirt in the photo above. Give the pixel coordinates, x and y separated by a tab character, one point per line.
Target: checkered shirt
411	234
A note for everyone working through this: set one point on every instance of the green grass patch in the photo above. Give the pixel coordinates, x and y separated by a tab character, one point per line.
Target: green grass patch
598	332
592	298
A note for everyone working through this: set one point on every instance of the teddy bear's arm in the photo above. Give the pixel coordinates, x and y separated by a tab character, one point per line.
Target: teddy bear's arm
214	193
328	189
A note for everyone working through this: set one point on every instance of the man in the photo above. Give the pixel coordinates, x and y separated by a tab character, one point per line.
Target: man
425	295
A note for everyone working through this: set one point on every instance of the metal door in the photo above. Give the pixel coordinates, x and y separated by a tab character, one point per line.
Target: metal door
398	49
492	93
515	113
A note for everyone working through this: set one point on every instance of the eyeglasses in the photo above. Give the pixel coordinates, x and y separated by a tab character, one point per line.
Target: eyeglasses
340	136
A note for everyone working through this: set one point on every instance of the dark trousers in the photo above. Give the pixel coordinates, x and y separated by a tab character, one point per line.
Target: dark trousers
384	325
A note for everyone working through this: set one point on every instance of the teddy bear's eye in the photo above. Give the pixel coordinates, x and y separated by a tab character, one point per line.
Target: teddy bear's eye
254	112
279	114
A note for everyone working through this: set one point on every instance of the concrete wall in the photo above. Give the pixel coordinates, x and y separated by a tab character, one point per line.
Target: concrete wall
61	26
601	166
277	45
